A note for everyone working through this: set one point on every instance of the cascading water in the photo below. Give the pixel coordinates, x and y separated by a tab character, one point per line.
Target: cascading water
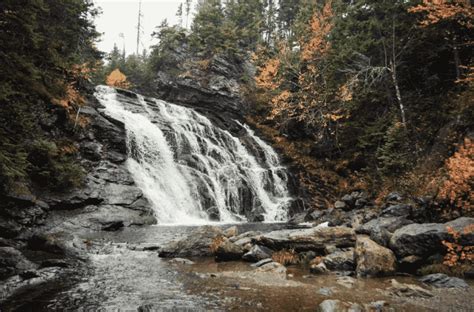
194	172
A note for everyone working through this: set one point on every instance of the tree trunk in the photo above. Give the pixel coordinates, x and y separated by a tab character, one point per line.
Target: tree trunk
397	91
457	63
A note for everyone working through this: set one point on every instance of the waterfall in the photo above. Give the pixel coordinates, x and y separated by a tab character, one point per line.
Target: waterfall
193	172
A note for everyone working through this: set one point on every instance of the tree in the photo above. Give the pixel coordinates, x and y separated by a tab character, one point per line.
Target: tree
43	44
179	14
207	30
117	79
188	11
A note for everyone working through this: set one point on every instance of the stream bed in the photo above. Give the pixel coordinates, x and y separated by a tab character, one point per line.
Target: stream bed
126	274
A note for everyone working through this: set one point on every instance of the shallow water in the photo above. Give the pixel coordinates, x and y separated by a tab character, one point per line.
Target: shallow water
123	277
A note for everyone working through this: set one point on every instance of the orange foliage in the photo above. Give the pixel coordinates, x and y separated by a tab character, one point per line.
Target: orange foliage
117	79
320	27
438	10
285	257
456	253
267	75
458	187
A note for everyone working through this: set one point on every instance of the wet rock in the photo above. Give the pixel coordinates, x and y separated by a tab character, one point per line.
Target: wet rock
308	239
377	306
330	305
261	262
373	259
394	197
399	210
360	203
40	281
118	194
257	253
349	199
91	150
425	239
340	205
319	268
60	263
346	281
443	281
380	230
408	290
196	244
340	260
12	262
228	251
274	268
181	261
325	291
231	232
148	308
59	243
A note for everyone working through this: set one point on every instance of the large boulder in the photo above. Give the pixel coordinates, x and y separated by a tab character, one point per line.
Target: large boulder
196	244
224	250
308	239
426	239
373	259
381	229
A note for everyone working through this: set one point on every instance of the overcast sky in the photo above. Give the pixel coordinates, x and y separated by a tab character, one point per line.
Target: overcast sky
120	16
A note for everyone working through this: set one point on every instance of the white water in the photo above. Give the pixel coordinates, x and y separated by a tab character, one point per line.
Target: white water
186	166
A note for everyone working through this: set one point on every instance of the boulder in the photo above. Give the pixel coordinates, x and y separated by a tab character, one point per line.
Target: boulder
257	253
443	281
380	230
340	205
231	232
224	250
274	268
308	239
426	239
319	268
372	259
196	244
340	260
330	305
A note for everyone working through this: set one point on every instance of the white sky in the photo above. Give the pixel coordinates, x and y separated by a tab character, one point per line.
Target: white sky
121	16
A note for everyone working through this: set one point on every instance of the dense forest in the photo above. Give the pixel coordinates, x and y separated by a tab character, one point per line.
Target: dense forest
371	95
44	69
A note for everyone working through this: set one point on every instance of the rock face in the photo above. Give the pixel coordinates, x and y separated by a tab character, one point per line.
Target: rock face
425	239
213	90
13	262
308	239
373	259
